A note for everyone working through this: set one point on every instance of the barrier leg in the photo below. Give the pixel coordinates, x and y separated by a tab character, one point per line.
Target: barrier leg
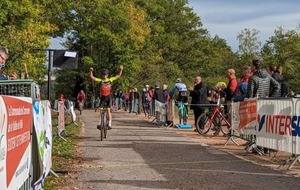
292	160
52	172
231	138
251	145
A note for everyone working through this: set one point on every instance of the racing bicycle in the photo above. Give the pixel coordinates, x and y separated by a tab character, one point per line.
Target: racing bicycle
213	121
103	122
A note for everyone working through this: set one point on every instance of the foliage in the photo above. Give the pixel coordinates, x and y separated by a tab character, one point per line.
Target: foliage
249	45
64	155
283	49
23	29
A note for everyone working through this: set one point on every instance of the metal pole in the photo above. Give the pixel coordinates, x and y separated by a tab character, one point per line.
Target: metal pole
49	74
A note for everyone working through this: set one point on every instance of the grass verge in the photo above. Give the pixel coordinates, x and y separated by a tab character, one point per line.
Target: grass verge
64	155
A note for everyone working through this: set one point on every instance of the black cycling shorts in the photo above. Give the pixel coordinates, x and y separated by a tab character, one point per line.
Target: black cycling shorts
105	101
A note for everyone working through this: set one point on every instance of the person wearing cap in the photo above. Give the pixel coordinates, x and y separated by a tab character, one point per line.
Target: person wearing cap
261	82
105	90
3	58
182	91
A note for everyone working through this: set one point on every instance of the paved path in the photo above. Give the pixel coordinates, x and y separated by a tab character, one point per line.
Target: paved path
140	155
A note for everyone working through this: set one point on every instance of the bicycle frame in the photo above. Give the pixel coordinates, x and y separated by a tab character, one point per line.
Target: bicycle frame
182	112
103	122
217	112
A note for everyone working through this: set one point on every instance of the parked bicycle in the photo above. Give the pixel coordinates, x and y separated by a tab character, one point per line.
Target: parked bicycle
214	121
103	122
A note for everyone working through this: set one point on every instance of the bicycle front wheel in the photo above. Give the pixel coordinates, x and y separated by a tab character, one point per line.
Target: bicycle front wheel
102	127
208	126
105	124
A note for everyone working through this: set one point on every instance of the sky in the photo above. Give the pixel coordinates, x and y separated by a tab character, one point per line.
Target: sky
227	18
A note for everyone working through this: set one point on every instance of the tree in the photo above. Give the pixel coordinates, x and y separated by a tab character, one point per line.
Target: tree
249	45
23	29
283	49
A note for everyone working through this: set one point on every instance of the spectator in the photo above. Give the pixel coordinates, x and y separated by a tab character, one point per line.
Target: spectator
277	75
166	93
241	91
61	97
149	96
159	94
145	103
81	96
199	96
231	85
3	58
261	82
230	90
136	95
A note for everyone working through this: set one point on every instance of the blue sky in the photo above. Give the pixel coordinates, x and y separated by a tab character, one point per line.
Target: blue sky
227	18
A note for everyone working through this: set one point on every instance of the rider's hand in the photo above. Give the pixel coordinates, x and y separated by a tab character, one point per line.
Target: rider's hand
121	67
91	69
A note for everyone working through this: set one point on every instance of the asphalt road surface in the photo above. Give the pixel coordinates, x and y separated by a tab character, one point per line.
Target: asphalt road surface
140	155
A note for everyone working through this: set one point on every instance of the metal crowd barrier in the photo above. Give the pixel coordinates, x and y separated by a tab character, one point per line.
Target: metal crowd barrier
24	88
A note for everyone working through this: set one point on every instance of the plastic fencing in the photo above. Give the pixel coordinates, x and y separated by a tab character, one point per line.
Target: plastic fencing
25	135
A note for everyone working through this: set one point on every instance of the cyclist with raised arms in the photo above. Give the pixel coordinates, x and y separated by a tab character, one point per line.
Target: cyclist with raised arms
105	89
182	91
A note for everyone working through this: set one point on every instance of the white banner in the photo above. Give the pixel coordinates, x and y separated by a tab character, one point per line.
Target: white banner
275	124
160	111
61	116
15	149
43	127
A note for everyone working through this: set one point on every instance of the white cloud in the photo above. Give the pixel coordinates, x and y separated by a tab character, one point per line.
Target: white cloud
227	18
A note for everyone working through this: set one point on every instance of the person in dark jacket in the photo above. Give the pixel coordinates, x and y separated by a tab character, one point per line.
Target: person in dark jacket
159	94
199	96
261	83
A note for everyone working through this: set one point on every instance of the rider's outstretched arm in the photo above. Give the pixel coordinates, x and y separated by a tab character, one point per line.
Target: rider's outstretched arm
91	74
120	72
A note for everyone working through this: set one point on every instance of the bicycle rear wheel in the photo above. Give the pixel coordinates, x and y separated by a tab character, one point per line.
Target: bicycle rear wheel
225	128
208	126
184	116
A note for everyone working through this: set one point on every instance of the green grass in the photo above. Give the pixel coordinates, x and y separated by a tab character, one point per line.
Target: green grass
64	154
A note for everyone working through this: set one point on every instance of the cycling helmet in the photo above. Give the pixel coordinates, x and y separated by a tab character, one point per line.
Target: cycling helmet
104	72
178	80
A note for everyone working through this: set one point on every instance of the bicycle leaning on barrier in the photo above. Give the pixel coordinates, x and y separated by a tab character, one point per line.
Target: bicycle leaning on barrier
213	121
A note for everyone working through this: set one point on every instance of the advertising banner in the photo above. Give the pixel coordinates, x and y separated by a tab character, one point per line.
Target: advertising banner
43	127
244	117
61	116
296	126
15	149
275	119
